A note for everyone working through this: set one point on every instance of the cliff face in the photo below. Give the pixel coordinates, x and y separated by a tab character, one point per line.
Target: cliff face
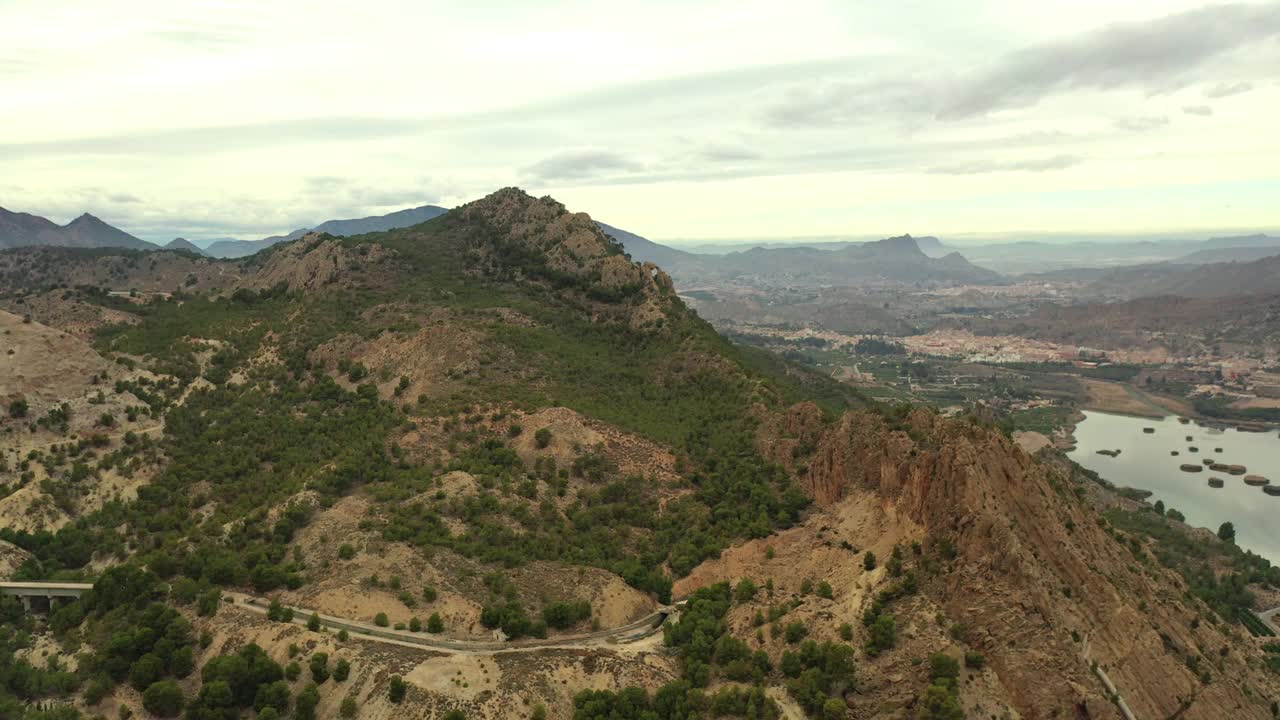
1041	585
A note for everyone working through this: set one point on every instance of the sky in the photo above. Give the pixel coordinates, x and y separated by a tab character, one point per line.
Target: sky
674	120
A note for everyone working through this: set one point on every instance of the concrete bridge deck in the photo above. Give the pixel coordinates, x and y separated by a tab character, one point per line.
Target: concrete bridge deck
43	594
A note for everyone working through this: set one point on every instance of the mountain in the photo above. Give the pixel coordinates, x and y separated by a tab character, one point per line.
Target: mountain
932	246
1193	281
646	250
245	248
86	231
1229	254
891	261
183	244
1240	241
339	228
500	422
380	223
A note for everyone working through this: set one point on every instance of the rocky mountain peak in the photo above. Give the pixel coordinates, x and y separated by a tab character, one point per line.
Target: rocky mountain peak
539	238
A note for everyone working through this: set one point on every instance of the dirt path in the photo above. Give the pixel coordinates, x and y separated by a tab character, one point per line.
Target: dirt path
24	449
630	637
790	710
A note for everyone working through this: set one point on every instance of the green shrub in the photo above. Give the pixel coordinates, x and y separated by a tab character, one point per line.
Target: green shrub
163	699
974	660
396	690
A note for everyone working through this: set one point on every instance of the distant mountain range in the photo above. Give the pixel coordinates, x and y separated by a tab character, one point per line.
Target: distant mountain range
1192	281
183	244
896	260
86	231
340	228
1127	268
1230	254
645	250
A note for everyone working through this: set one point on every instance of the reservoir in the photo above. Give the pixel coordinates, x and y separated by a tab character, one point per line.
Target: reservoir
1146	461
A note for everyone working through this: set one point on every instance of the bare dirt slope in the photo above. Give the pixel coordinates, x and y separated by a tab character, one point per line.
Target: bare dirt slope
43	364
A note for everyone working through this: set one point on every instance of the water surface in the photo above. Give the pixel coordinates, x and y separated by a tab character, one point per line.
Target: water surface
1145	462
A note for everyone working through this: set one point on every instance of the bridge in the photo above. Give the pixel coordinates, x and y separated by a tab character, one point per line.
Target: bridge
43	594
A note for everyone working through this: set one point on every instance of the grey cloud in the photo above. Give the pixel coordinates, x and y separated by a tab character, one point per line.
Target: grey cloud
1045	164
851	102
725	153
1225	89
1201	110
1157	56
124	198
324	183
580	165
1141	124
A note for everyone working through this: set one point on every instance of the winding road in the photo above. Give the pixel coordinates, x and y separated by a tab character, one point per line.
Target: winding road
616	637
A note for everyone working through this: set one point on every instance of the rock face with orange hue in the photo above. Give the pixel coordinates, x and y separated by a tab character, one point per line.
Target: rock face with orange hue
1042	587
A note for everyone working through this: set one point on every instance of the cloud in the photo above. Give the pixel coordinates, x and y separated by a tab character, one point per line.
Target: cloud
1201	110
1225	89
342	196
851	102
727	153
123	198
1155	56
581	165
1141	124
203	140
1043	164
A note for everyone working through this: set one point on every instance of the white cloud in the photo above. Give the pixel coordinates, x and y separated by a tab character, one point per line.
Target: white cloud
251	118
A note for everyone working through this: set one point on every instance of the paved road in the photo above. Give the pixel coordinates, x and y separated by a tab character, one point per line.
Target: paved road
1268	618
613	637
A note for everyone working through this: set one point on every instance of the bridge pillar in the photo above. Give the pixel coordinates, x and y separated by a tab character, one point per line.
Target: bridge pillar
26	602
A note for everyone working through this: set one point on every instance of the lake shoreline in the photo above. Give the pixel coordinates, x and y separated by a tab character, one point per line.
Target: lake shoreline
1154	455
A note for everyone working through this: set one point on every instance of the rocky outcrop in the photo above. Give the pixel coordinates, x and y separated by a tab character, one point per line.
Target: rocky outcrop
1044	589
316	261
538	239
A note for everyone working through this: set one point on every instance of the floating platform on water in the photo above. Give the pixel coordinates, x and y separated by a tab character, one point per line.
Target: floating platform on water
1189	438
1216	482
1237	469
1193	448
1109	453
1148	431
1173	453
1188	467
1219	467
1271	489
1256	480
1217	449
